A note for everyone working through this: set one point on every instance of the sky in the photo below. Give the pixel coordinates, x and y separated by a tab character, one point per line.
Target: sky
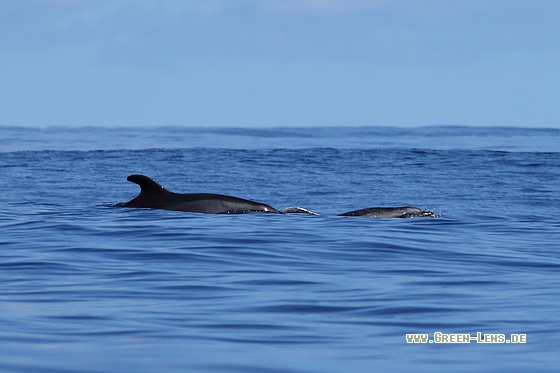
276	63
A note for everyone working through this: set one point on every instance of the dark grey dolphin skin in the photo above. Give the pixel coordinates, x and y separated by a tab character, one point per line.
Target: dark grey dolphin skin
154	196
391	212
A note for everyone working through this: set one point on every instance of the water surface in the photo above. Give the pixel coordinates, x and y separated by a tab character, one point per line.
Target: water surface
85	287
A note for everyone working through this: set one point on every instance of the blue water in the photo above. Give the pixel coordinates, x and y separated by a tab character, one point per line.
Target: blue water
85	287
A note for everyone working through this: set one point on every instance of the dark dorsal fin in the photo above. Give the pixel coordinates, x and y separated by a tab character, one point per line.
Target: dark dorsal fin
147	186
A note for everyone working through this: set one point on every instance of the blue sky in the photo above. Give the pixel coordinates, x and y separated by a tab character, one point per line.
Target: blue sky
263	63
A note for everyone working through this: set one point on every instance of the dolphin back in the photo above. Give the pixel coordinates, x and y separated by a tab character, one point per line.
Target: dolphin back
391	212
153	195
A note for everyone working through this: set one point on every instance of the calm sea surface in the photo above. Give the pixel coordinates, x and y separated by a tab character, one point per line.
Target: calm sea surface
85	287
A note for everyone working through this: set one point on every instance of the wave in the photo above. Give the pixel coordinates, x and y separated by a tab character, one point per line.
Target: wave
431	137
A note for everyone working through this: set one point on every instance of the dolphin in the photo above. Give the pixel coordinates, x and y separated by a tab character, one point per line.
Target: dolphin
391	212
153	195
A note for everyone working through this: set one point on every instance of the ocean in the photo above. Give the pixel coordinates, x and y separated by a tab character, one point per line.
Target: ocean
87	287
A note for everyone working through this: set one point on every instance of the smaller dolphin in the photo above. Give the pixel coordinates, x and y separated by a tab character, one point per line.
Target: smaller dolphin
154	196
391	212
